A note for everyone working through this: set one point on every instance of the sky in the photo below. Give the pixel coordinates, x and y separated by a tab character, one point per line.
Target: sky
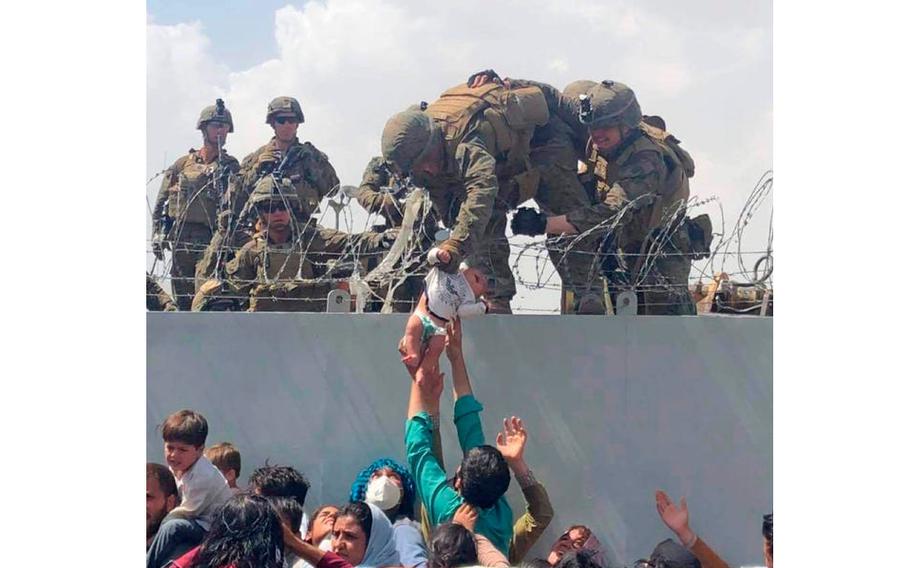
703	66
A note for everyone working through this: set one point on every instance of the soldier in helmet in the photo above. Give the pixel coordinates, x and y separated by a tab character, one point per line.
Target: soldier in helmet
472	149
298	166
381	193
288	265
186	210
639	171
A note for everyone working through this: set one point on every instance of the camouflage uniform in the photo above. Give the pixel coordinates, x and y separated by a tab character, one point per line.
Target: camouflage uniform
651	171
484	136
191	194
156	299
290	277
310	175
375	194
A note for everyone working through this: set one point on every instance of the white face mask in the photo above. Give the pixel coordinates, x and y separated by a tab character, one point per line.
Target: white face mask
383	492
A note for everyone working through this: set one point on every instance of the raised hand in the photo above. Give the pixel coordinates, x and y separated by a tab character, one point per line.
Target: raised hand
511	441
466	516
453	339
675	517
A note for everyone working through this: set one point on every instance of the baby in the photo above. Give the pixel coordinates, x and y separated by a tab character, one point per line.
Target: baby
446	297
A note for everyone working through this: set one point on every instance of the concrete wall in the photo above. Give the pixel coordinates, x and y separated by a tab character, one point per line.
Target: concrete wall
615	407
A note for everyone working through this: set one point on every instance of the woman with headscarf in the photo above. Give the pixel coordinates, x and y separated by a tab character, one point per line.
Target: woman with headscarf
389	485
246	533
362	537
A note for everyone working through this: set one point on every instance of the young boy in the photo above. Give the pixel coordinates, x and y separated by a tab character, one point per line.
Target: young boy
226	458
201	486
446	297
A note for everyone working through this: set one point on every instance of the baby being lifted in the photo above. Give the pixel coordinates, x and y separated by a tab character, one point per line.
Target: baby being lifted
446	297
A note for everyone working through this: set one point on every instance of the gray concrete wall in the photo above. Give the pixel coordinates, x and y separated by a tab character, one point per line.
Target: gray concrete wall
615	407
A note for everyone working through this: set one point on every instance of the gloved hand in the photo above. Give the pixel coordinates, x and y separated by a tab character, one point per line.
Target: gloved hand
483	77
528	221
446	256
268	162
391	210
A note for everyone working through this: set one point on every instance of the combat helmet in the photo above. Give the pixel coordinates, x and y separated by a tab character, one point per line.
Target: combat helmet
406	139
216	112
575	88
270	190
284	104
610	103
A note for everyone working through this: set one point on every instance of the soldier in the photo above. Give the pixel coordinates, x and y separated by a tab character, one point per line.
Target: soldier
472	150
642	173
380	193
188	202
288	265
300	167
156	299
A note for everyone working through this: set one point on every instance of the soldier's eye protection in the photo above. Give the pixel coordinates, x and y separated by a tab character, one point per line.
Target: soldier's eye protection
286	119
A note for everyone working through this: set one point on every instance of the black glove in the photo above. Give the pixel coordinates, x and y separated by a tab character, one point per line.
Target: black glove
529	221
491	75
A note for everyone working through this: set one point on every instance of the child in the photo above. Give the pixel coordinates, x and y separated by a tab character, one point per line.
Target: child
201	486
226	458
446	297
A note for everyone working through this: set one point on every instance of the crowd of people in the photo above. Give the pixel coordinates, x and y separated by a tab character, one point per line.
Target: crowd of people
411	514
611	184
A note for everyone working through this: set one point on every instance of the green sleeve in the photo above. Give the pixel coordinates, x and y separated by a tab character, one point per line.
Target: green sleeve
240	272
439	498
169	179
467	422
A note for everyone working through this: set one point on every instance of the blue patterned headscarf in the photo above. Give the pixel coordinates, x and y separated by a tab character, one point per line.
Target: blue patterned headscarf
359	487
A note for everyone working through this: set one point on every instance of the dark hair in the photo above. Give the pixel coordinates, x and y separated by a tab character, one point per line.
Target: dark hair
224	456
318	510
290	509
246	533
484	476
360	512
163	476
280	481
452	545
186	427
534	563
767	531
583	558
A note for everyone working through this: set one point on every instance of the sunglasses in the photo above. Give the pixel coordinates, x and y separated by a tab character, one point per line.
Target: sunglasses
286	120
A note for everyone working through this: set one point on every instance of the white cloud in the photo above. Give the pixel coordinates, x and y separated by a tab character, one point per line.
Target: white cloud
353	63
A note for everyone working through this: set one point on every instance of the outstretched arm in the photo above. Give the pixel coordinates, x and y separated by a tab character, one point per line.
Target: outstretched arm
677	519
530	526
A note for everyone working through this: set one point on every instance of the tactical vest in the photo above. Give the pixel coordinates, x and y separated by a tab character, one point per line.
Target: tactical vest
511	113
680	167
194	198
283	263
281	270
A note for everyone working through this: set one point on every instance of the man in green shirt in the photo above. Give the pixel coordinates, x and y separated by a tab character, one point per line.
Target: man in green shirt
483	476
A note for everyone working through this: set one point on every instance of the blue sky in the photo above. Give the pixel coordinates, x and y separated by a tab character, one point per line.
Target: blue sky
242	32
704	66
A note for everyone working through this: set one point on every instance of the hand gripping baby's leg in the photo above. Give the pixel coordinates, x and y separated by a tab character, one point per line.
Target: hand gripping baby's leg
409	346
429	365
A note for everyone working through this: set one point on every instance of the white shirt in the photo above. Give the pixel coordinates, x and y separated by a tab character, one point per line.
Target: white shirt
449	295
202	491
